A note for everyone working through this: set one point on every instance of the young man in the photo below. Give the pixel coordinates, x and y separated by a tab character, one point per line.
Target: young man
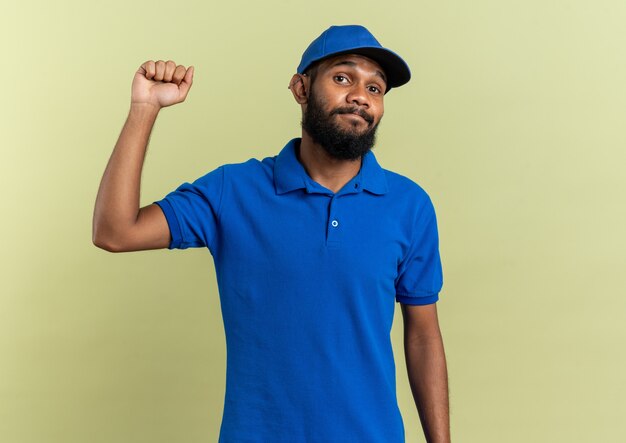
312	248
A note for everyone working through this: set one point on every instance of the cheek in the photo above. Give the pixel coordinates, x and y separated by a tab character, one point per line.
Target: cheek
380	112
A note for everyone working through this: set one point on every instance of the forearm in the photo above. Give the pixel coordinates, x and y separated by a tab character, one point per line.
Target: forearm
117	202
428	378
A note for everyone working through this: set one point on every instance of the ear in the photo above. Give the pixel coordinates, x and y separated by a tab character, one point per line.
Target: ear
299	86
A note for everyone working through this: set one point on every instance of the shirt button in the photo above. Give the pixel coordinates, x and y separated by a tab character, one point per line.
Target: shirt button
334	223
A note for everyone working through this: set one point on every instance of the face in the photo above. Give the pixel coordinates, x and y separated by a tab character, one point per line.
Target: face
345	105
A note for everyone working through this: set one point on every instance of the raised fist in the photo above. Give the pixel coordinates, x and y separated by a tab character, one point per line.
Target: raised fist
161	83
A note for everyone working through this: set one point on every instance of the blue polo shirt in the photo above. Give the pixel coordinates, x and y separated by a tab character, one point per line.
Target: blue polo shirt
308	281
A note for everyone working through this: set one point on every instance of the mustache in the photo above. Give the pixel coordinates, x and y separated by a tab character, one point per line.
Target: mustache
354	110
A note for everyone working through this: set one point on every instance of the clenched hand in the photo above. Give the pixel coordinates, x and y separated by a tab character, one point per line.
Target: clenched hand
161	83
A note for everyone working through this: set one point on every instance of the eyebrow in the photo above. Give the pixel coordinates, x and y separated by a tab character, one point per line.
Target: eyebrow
353	64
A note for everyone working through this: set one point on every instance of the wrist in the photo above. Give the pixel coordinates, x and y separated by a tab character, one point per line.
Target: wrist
144	108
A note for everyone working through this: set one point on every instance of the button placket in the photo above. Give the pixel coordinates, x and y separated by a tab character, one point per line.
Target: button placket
333	230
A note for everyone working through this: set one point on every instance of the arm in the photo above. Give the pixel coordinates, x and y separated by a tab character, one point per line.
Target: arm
118	223
426	366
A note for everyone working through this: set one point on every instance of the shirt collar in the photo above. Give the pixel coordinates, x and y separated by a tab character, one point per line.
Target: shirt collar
289	174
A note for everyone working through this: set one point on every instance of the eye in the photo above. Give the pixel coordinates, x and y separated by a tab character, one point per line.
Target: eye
375	89
340	78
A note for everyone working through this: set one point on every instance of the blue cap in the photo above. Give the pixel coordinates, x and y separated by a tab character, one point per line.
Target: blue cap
356	39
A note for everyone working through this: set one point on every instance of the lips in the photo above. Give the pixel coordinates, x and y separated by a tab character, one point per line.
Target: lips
354	114
357	112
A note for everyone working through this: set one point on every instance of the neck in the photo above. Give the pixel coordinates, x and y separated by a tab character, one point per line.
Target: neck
330	172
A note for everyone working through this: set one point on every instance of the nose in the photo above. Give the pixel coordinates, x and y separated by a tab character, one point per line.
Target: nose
358	95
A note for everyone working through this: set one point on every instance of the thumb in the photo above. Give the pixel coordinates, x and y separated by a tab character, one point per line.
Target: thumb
186	83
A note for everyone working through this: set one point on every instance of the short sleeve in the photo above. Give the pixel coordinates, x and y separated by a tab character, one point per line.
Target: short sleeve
192	211
420	275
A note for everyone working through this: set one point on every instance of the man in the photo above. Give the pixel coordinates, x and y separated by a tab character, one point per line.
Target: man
312	248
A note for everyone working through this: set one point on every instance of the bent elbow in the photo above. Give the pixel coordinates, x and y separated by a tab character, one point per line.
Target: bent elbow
105	242
107	246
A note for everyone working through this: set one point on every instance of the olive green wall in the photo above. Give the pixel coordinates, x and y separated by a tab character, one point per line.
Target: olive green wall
514	122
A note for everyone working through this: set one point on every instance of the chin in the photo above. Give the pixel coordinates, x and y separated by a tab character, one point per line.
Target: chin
353	130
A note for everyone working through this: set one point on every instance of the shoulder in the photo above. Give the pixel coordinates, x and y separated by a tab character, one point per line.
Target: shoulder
415	206
250	175
406	190
252	167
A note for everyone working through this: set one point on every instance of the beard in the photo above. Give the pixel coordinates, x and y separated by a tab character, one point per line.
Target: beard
337	142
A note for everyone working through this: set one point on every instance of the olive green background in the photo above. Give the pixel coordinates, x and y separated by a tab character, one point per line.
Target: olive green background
514	123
